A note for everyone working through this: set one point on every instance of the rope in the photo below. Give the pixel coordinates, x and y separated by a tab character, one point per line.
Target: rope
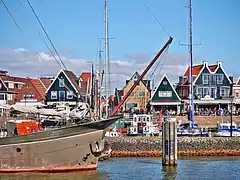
163	28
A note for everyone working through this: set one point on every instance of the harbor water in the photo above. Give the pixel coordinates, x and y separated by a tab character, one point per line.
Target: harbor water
199	168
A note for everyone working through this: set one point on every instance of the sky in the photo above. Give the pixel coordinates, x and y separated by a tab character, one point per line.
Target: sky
75	27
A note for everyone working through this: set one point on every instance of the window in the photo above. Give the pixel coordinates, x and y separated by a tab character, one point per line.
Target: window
219	78
11	85
61	82
237	95
205	91
69	94
53	94
141	94
132	94
200	92
224	91
164	82
0	85
213	92
28	96
165	93
205	78
2	96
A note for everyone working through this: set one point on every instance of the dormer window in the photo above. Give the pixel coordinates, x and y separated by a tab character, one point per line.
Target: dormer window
61	82
10	85
219	78
205	78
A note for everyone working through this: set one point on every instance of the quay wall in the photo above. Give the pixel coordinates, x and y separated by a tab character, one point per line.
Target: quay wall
187	146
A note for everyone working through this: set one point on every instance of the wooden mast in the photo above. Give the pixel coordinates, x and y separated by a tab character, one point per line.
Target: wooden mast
142	75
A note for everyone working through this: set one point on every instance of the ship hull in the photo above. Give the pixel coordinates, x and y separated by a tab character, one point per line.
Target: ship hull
75	148
72	153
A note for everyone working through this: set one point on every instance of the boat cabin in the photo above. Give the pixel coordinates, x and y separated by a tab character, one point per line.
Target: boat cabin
143	124
22	127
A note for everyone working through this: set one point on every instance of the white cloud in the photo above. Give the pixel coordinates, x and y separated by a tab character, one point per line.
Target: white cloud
21	62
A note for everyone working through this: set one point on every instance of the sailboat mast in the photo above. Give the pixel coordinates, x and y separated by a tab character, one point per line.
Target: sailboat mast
107	63
191	95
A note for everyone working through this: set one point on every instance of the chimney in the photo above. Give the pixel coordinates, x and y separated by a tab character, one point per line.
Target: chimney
219	63
231	78
205	63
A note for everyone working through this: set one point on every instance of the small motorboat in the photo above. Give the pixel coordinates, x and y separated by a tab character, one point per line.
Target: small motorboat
187	129
224	130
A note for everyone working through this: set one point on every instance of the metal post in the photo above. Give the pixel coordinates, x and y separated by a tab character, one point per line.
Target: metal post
231	115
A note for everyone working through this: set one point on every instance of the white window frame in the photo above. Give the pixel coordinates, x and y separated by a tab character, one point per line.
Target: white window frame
219	81
164	93
205	81
54	96
61	82
11	85
200	94
208	92
1	85
69	94
226	91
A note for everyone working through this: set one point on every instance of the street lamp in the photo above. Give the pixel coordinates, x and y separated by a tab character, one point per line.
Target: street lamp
231	98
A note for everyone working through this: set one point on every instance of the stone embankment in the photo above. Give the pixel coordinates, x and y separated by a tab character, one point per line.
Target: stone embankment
187	146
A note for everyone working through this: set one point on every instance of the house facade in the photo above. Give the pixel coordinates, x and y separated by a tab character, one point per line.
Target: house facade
140	96
165	96
19	90
64	88
236	94
211	86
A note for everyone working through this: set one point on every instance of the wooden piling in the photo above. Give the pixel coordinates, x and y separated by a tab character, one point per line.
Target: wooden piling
169	142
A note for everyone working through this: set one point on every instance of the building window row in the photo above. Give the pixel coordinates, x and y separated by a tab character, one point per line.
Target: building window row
212	79
165	93
54	94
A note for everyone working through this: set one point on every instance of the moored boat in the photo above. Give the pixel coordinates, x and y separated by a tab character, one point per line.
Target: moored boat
224	130
65	149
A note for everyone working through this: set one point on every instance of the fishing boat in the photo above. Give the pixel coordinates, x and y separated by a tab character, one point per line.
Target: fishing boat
224	130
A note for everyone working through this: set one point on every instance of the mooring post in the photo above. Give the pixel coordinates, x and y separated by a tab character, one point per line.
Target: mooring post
169	142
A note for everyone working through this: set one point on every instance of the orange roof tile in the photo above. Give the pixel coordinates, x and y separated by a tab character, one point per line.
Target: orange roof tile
213	67
238	83
196	70
46	82
85	76
39	87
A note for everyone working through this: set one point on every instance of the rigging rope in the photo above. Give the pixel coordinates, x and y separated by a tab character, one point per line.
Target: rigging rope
10	14
46	34
163	28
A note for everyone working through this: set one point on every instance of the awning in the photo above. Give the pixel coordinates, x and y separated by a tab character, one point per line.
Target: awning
220	101
164	103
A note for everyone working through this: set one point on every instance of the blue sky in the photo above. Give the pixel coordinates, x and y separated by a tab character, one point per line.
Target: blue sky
75	25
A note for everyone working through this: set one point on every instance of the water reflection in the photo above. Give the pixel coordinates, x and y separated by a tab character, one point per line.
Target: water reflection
91	175
169	172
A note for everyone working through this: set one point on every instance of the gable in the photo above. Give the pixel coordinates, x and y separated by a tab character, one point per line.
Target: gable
165	92
55	84
226	81
3	87
198	79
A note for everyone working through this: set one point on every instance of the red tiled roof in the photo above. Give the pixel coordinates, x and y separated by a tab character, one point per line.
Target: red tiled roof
238	83
196	70
14	79
85	76
46	82
39	87
30	86
213	67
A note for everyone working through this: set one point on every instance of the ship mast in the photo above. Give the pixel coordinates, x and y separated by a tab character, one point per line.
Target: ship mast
191	91
107	63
